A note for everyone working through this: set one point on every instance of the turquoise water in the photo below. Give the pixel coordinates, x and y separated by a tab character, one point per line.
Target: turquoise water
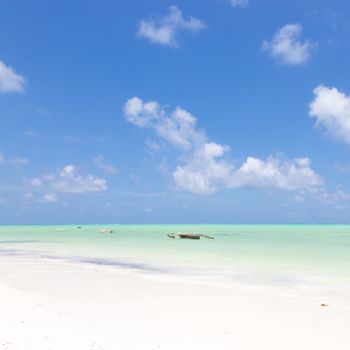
267	254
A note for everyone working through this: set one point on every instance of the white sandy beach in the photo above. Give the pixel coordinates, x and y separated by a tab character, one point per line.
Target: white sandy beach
48	304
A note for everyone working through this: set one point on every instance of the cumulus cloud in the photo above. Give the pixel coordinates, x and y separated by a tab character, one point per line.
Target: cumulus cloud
207	175
204	170
68	181
205	166
286	46
141	113
239	3
275	172
10	81
177	128
105	165
164	30
331	109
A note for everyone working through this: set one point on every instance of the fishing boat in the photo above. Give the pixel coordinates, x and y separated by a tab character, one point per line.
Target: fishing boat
183	235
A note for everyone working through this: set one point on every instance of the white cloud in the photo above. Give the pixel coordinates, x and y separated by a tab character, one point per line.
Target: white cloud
152	145
10	81
239	3
163	166
177	128
105	165
342	168
135	178
274	172
298	198
327	197
67	180
205	167
204	171
320	194
14	161
331	109
207	174
36	182
286	46
139	113
50	198
165	29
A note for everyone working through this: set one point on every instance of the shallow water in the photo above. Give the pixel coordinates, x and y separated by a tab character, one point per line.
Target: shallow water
317	255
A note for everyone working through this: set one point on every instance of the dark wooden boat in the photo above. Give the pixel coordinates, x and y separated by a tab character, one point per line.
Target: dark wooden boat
188	235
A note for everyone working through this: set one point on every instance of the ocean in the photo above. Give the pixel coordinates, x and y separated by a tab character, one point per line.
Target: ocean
282	255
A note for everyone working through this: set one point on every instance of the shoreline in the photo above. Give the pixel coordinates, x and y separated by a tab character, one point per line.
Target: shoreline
54	305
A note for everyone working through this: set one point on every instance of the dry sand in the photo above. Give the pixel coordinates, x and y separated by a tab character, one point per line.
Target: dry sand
48	304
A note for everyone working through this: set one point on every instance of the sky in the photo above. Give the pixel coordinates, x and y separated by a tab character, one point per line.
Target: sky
215	111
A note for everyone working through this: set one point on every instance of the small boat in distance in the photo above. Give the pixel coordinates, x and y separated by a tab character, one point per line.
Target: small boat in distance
106	230
188	235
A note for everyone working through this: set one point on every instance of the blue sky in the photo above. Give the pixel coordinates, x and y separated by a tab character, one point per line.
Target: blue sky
222	111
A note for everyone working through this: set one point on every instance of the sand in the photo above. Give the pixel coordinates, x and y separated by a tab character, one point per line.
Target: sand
49	304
